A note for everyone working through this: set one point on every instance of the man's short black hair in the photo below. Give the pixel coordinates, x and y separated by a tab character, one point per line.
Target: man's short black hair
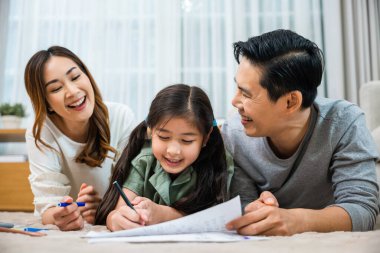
288	62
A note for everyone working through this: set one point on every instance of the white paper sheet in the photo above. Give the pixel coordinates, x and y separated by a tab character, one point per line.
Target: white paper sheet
212	219
198	237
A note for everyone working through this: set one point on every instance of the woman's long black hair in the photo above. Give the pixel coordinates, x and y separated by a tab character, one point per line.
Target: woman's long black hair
192	104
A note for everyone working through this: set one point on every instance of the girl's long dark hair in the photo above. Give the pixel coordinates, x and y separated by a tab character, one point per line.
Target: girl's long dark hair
192	104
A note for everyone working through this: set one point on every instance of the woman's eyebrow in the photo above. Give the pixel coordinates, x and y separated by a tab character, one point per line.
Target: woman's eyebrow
56	80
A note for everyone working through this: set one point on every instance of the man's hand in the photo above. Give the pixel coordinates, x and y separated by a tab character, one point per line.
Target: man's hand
264	217
88	194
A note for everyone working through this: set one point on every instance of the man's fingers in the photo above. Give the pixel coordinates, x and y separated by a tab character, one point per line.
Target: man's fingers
253	206
268	198
247	219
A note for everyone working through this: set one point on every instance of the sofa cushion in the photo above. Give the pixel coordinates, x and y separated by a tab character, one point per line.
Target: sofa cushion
376	136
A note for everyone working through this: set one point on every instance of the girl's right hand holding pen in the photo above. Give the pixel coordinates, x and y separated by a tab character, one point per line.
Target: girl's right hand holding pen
124	218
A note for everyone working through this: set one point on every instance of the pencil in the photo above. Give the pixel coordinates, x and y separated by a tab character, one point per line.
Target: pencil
122	194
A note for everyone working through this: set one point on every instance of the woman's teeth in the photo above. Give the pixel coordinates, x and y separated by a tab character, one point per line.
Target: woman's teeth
78	103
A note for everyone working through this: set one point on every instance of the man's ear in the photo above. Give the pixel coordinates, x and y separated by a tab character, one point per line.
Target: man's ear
207	137
294	101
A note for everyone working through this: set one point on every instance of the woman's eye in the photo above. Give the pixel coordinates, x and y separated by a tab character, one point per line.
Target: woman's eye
56	89
76	77
187	141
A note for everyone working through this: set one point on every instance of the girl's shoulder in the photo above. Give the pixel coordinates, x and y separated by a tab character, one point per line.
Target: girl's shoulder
145	158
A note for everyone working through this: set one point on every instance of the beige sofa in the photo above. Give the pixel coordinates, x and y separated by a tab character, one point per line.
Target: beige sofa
370	103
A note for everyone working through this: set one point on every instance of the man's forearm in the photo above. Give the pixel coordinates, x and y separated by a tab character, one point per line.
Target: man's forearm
328	219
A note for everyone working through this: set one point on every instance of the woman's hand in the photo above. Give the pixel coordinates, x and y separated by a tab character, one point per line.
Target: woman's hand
88	194
65	218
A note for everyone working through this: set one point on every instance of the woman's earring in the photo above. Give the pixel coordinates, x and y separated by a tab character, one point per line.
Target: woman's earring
204	145
50	109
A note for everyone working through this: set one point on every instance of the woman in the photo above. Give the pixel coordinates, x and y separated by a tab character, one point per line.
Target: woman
75	138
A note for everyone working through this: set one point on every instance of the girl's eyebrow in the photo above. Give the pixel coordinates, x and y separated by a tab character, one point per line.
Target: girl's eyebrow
56	80
167	131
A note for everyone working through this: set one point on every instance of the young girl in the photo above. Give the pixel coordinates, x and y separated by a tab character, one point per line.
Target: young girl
174	164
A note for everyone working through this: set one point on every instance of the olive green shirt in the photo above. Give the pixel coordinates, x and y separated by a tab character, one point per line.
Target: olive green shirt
148	179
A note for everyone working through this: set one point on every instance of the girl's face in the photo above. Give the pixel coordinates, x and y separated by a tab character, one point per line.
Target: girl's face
176	144
69	92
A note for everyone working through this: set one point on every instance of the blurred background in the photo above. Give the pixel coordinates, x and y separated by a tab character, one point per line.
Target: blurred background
134	48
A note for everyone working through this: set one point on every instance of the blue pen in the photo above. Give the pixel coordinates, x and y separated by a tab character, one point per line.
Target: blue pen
34	229
122	194
63	204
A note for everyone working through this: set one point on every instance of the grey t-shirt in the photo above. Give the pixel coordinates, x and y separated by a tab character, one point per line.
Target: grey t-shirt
337	168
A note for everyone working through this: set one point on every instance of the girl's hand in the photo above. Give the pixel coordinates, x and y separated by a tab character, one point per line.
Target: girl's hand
124	218
88	194
149	211
66	218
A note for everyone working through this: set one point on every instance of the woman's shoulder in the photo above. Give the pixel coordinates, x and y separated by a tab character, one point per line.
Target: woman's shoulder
49	132
118	109
121	117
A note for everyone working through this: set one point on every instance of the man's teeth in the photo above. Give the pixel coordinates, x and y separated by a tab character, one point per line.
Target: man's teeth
77	103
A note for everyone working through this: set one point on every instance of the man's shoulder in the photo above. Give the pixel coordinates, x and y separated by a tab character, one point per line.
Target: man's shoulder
337	111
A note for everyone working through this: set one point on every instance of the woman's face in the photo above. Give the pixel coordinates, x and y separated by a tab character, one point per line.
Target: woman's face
176	144
69	92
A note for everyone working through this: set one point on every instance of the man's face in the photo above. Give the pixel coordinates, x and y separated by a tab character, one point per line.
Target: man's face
259	115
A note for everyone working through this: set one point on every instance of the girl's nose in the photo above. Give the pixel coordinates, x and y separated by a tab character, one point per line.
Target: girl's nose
174	148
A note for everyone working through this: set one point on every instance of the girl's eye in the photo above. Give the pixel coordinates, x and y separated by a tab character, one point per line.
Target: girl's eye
187	141
76	77
163	138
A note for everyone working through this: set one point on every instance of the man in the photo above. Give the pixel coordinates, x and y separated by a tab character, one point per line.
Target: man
305	164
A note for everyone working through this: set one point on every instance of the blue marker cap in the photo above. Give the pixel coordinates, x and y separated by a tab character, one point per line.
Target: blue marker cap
63	204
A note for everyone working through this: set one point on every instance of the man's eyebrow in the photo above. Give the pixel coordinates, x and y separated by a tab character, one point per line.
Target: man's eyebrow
241	88
56	80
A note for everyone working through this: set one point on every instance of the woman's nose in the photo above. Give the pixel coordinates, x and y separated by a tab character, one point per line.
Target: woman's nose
71	89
